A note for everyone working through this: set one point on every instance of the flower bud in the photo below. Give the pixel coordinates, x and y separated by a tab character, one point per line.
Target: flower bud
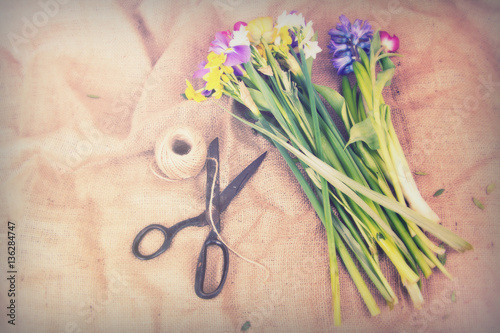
390	44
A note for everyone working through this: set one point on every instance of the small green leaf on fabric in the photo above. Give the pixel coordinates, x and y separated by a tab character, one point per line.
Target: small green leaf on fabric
439	192
184	96
442	257
93	96
490	188
421	173
478	203
245	326
453	297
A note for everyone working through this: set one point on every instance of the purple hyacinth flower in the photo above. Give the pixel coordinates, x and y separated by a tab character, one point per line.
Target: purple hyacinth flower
345	40
235	55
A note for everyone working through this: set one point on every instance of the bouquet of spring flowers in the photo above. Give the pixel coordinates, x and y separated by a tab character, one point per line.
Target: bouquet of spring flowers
358	188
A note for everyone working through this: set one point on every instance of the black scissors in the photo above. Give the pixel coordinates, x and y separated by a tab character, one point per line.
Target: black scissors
215	204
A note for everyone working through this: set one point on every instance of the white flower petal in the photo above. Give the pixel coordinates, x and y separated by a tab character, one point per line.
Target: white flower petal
290	21
311	49
240	37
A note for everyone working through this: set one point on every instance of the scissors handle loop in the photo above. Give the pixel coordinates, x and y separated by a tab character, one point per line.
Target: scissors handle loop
138	239
201	269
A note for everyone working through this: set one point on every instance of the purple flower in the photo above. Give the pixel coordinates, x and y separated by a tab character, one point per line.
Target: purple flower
345	40
201	70
295	41
235	55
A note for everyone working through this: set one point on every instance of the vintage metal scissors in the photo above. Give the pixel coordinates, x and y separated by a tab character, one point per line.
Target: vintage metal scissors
219	202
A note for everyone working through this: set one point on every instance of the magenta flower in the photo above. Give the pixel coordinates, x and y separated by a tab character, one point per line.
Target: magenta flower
391	44
235	54
238	25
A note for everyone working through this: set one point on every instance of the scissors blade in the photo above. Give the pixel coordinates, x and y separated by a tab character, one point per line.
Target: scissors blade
213	186
239	182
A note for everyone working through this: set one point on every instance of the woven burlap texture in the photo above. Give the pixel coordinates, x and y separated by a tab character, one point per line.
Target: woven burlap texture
87	87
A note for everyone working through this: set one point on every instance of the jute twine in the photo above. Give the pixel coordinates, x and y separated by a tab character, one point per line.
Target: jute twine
180	153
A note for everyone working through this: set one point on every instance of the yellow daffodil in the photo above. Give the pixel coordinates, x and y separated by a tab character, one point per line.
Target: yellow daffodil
218	92
213	78
215	60
283	37
261	28
227	69
192	94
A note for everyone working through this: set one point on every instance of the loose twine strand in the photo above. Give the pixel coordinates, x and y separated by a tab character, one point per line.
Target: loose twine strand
210	214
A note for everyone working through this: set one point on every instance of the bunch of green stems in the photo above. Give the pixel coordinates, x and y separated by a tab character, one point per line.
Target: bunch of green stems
287	109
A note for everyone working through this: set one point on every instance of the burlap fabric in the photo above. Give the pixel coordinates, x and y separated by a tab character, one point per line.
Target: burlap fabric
76	180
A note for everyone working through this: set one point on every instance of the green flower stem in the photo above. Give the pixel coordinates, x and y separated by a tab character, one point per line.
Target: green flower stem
358	247
325	196
391	251
346	258
397	224
331	239
356	277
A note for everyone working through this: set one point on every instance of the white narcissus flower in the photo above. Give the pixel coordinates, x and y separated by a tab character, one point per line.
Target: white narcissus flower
311	49
291	20
240	37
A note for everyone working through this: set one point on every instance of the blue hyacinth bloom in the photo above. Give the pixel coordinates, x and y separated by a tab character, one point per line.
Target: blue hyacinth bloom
344	43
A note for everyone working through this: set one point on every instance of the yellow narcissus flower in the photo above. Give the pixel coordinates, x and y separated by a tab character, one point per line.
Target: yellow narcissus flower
213	78
192	94
261	28
218	91
215	60
283	37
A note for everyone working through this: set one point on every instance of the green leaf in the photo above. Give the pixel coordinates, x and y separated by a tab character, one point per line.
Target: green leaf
478	203
490	188
387	63
259	99
350	101
364	58
421	173
364	83
336	101
375	44
442	257
93	96
382	79
439	192
364	131
245	326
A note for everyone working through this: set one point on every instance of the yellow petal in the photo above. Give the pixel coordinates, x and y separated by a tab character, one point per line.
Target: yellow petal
258	27
189	92
198	97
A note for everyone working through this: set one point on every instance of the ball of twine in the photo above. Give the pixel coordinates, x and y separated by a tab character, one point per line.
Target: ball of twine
180	153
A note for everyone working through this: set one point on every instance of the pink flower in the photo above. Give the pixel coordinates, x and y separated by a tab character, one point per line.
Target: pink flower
391	44
238	24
